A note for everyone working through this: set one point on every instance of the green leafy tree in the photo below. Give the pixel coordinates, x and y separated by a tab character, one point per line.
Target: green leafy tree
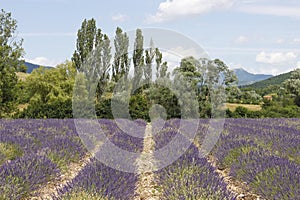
166	98
92	56
241	112
138	57
209	78
251	97
83	103
158	60
163	73
103	69
10	54
139	107
103	109
150	55
233	94
121	60
88	37
50	92
293	85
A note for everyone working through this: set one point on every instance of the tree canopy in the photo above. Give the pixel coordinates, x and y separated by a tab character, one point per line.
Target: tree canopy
11	52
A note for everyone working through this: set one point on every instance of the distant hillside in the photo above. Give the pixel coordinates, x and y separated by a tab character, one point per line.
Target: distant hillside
31	67
246	78
275	80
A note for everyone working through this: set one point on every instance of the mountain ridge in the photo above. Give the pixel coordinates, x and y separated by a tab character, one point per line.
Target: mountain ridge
31	66
275	80
247	78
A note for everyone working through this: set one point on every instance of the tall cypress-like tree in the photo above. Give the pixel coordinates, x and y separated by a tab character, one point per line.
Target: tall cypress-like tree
10	54
163	73
158	59
92	56
138	58
105	66
121	63
150	55
88	38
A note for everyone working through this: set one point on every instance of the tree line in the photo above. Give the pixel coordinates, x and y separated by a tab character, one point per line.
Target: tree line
89	80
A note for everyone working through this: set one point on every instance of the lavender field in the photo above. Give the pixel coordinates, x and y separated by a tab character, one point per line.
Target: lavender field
253	158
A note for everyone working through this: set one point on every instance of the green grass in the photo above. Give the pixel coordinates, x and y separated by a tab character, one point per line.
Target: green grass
9	152
83	195
62	162
233	155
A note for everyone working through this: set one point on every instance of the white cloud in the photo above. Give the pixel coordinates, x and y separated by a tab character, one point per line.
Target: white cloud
298	64
174	55
270	69
173	9
280	41
241	40
275	58
235	66
44	61
182	52
119	18
277	10
296	40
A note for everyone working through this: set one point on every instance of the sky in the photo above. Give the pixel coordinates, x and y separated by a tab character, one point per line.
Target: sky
261	36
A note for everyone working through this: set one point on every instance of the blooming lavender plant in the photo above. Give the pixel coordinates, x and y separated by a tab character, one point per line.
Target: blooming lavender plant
263	153
97	178
20	177
191	177
270	176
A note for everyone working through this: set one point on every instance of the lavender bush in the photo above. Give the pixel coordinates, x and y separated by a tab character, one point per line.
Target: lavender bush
20	177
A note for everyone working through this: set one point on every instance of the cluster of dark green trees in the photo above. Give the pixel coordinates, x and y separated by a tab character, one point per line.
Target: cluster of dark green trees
94	77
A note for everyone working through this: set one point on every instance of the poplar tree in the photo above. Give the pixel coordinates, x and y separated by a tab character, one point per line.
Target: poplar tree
88	38
92	56
121	63
150	55
138	58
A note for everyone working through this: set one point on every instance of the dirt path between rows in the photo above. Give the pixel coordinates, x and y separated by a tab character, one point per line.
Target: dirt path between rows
146	187
51	189
238	188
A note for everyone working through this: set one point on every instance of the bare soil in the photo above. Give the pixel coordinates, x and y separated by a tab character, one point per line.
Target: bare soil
146	188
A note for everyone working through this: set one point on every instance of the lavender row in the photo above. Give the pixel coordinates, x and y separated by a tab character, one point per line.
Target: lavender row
34	152
131	140
192	177
189	176
43	137
264	153
20	177
101	181
278	140
270	176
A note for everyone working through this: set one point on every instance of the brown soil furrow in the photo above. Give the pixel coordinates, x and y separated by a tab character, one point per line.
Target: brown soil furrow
51	189
240	189
146	186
